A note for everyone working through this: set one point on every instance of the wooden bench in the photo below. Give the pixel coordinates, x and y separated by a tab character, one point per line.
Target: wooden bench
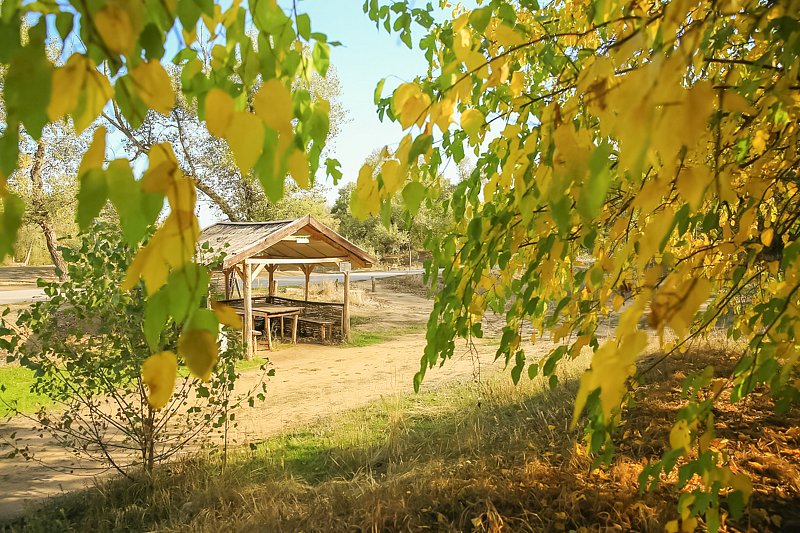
322	323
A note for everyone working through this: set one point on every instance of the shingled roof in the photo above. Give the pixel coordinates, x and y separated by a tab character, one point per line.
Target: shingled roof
278	239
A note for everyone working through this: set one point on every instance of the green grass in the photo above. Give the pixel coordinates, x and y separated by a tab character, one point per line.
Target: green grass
402	450
17	382
361	338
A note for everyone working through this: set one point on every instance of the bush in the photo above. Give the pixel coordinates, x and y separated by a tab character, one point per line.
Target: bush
87	352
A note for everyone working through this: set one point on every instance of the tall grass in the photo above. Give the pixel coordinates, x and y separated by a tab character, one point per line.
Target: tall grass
430	460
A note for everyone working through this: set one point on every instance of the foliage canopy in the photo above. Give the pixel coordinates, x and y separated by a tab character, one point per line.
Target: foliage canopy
239	67
637	158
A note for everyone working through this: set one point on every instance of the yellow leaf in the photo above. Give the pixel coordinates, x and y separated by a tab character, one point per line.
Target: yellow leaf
671	526
96	154
392	176
273	104
182	195
98	92
654	233
767	235
743	484
115	27
366	198
680	436
699	289
692	183
409	104
153	86
67	83
172	245
736	103
500	72
517	84
689	524
219	112
198	347
471	122
442	113
158	373
162	170
246	139
618	301
699	104
227	315
507	36
612	364
298	168
760	141
78	89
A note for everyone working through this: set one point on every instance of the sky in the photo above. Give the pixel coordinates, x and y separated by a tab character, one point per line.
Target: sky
366	56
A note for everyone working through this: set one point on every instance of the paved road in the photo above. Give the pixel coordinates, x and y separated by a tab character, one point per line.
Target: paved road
21	295
32	295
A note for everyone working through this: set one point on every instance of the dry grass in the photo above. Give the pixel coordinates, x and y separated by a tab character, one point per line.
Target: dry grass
468	457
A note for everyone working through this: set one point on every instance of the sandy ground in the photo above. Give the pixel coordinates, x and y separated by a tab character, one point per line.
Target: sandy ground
311	381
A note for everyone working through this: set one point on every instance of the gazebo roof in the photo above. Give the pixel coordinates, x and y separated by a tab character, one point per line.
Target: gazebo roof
286	242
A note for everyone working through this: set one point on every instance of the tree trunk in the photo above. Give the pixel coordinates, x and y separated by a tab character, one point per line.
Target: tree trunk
52	247
42	216
217	199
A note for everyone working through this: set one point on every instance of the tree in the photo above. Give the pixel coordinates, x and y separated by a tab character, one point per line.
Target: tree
46	180
245	90
209	161
86	350
371	233
660	140
394	230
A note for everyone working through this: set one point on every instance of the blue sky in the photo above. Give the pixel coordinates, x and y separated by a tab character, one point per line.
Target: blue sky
366	56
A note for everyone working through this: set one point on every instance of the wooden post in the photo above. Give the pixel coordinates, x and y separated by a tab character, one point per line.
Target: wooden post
346	308
274	287
248	311
227	274
373	283
307	271
271	269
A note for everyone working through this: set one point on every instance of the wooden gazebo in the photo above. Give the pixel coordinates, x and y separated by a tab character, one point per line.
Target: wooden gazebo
300	244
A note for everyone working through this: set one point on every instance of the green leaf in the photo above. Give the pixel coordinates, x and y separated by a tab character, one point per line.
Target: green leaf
126	196
64	22
304	26
152	40
420	145
413	193
188	13
92	197
132	107
593	193
378	91
561	211
480	18
203	319
9	149
27	88
332	168
186	287
9	40
321	57
155	318
10	222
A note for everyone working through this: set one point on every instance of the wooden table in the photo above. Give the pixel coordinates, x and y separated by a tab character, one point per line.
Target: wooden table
268	312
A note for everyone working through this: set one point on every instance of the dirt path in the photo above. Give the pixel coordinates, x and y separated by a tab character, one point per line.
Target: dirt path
311	381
